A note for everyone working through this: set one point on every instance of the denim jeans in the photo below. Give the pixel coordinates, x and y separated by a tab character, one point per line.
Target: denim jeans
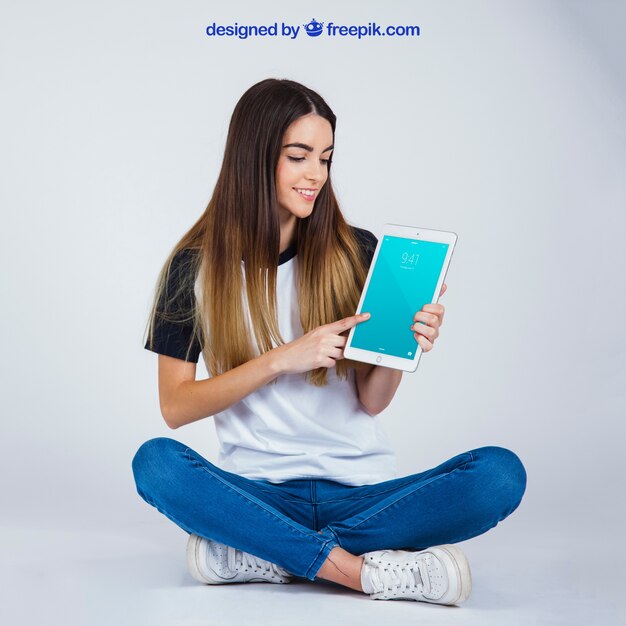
461	498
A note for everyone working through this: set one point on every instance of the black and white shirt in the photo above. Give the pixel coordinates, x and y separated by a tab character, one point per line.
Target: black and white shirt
290	429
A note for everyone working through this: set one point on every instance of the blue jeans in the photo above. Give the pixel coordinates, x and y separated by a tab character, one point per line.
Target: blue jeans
279	522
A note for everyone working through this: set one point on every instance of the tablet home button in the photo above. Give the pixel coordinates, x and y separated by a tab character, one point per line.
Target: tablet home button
379	359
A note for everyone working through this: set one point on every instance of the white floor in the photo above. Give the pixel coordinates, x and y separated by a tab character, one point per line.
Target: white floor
136	574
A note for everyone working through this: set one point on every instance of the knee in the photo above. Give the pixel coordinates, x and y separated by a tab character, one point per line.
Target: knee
152	459
504	476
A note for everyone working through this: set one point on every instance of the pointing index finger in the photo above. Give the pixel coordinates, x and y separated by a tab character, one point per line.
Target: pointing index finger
354	319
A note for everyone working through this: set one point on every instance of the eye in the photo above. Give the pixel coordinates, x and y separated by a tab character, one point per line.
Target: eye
326	161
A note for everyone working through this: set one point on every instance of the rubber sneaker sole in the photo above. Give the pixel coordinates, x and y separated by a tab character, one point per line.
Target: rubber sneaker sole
194	547
462	568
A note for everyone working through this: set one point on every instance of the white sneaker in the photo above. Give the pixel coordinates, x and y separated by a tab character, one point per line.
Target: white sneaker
440	574
216	564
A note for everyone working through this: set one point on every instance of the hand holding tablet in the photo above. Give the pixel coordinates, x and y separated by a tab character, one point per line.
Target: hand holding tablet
406	274
430	319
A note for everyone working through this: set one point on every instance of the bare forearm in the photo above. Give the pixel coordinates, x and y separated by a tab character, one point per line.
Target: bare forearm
197	399
378	388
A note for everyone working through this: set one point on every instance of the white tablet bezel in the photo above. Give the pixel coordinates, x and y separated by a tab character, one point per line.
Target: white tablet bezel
408	232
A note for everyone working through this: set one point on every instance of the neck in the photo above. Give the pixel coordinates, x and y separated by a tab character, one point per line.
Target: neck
287	232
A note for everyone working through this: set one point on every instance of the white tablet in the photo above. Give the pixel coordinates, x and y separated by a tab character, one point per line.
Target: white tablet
408	269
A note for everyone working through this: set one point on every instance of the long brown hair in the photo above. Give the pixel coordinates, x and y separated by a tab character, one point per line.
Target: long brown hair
241	223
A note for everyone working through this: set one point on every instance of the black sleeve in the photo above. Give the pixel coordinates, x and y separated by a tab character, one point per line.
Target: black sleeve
368	243
173	335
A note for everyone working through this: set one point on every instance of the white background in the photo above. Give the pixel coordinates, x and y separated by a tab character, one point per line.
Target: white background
503	122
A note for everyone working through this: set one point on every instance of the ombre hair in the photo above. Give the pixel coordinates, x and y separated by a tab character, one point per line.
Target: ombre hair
241	222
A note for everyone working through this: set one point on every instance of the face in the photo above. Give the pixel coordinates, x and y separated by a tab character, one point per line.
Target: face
302	168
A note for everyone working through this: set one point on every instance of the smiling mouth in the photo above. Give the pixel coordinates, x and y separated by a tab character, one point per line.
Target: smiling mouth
307	194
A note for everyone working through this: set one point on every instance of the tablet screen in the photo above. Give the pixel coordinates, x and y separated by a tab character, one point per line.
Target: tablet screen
403	280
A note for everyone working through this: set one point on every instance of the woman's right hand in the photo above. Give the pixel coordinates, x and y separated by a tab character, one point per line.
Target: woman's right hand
320	347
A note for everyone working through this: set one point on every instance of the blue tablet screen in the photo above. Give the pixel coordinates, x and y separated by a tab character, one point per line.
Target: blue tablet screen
403	281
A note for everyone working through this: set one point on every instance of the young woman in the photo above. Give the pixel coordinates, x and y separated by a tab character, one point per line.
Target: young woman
264	286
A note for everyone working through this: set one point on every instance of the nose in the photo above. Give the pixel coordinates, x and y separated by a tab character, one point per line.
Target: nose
315	170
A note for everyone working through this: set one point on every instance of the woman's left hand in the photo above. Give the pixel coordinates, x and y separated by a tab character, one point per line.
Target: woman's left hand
427	323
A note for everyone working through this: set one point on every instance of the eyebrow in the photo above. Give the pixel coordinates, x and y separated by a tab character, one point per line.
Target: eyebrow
305	147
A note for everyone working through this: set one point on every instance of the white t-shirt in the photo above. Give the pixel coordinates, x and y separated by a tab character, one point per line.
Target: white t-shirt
292	429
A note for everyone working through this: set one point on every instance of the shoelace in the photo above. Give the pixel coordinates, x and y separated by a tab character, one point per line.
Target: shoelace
249	561
400	577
